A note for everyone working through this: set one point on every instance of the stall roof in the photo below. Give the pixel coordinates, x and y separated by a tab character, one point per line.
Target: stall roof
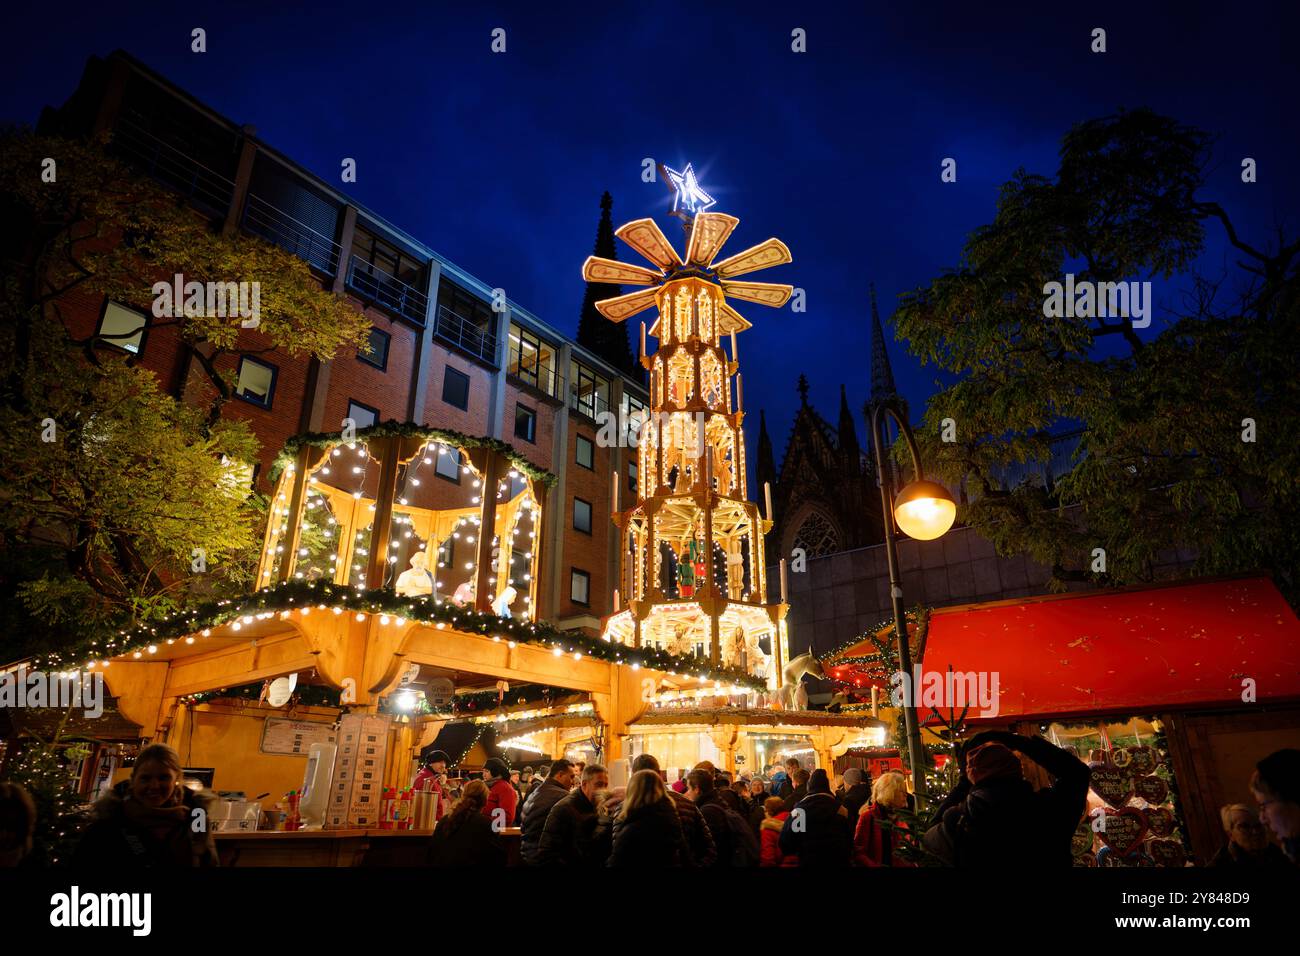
1184	645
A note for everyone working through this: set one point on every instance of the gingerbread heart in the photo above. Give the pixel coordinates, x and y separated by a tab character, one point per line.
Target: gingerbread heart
1081	842
1151	788
1122	830
1160	821
1141	760
1112	784
1167	852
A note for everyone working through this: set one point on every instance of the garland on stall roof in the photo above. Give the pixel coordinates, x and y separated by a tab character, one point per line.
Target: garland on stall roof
306	596
304	695
392	429
884	661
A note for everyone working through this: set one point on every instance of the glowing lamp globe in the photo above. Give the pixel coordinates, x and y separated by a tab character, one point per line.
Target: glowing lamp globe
924	510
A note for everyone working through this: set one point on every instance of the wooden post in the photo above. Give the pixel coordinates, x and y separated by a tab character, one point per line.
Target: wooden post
483	569
382	527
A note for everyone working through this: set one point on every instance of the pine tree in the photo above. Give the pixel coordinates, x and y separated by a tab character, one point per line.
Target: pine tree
39	768
607	339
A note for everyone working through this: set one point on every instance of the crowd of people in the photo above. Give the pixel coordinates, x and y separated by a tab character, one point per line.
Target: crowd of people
568	814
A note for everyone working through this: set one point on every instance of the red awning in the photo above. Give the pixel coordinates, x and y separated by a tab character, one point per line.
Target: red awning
1134	651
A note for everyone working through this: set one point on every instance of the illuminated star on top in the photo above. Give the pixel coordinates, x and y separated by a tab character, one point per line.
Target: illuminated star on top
689	195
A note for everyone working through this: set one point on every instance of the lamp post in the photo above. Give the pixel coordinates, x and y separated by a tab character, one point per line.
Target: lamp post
925	511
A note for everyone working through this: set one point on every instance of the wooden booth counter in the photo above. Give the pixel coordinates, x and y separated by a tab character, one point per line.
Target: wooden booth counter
328	848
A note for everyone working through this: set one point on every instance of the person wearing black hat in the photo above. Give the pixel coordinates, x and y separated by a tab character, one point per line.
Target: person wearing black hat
995	819
501	795
433	778
1276	785
817	832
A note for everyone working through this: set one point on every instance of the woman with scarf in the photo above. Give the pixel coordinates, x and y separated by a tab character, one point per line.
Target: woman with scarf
151	820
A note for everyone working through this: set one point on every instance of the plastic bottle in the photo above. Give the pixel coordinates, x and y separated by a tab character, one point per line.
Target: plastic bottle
402	816
293	821
386	808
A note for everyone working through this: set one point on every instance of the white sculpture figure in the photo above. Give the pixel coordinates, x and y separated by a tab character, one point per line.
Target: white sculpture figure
417	580
792	690
502	604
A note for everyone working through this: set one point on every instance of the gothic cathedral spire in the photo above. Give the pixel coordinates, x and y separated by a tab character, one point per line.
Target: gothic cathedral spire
607	339
882	376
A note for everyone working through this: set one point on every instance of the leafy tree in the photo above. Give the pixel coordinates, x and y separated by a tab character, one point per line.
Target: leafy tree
102	230
1162	463
112	483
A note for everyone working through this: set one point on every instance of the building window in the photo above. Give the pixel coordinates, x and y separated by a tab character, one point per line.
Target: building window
122	328
525	423
579	587
582	515
532	360
455	388
586	453
378	354
631	476
447	464
589	393
363	416
256	382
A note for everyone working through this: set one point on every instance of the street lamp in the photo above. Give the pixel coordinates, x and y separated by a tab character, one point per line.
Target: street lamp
924	510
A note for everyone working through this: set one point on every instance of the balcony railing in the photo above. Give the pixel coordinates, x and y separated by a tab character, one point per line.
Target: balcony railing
274	225
386	291
171	166
539	375
464	334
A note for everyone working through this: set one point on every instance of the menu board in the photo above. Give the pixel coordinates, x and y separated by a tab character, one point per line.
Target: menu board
293	737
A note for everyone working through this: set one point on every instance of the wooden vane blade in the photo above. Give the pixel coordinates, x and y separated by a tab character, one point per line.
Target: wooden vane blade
620	307
709	232
732	321
596	269
764	293
647	238
762	256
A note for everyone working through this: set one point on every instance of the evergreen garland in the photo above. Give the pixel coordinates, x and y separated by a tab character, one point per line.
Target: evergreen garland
393	429
295	595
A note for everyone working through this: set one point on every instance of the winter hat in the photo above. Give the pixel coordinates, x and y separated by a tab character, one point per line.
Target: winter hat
435	756
496	767
852	777
992	761
819	782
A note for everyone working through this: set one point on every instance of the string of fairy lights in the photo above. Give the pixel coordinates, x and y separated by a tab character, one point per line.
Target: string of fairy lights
301	599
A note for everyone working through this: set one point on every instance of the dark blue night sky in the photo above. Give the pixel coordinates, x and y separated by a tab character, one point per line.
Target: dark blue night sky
498	161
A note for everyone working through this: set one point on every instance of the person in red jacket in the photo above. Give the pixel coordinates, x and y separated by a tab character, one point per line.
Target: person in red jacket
873	840
501	795
769	831
433	778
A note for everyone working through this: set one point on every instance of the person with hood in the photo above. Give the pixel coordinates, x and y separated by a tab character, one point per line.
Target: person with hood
857	791
573	834
735	842
874	837
536	808
701	846
824	837
466	836
150	820
647	832
1276	786
769	833
501	795
994	818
